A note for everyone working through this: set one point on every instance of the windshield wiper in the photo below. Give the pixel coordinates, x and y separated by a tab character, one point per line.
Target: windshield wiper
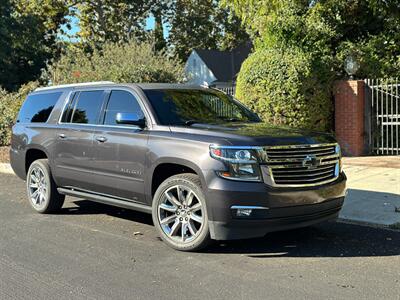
191	122
230	119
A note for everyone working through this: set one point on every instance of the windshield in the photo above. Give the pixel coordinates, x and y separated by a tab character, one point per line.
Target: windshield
187	107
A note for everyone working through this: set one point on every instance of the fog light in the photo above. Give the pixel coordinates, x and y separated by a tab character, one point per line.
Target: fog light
243	212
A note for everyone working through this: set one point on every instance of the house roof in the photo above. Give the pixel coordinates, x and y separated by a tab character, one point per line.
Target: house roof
225	65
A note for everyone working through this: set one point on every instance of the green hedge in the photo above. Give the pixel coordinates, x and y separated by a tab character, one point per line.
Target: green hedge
287	87
10	104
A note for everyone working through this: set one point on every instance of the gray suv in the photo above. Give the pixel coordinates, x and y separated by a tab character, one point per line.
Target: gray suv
200	162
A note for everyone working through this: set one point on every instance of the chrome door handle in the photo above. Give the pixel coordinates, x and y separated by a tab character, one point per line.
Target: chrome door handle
101	139
62	136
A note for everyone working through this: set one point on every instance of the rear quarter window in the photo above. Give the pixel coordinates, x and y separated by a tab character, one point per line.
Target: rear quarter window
38	107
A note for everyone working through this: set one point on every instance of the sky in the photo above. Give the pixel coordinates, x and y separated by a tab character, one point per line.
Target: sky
75	27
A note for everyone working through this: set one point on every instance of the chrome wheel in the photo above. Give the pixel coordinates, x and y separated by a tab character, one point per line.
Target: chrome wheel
37	187
180	214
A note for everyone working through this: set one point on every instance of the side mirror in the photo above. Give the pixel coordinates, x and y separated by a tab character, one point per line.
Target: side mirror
130	119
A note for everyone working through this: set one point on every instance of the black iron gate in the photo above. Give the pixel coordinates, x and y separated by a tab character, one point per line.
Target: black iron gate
383	116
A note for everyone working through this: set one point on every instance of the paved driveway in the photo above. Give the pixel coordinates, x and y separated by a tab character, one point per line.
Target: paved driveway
93	251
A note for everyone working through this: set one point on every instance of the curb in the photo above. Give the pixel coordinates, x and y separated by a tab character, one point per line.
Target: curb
5	168
368	224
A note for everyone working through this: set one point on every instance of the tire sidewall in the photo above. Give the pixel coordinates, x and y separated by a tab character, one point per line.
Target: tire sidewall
200	241
45	169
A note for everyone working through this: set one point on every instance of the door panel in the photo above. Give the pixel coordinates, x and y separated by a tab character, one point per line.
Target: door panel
73	156
120	150
119	162
73	151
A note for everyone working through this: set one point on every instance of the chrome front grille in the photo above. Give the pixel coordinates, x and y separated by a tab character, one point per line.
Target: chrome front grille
302	165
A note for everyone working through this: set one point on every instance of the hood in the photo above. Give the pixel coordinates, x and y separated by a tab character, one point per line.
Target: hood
256	134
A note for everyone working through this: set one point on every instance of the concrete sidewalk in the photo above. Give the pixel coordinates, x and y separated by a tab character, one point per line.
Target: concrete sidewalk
5	168
373	190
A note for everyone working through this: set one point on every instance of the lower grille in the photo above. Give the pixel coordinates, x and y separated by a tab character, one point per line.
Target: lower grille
303	165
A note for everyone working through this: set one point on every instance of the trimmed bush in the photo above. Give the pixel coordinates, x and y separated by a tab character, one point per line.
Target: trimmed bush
287	87
10	104
129	62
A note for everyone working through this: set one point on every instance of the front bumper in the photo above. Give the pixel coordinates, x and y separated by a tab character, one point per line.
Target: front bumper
281	208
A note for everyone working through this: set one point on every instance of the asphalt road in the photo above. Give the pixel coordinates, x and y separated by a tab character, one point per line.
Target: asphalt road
93	251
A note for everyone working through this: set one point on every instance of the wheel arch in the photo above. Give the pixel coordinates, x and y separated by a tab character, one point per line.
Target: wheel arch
167	167
33	153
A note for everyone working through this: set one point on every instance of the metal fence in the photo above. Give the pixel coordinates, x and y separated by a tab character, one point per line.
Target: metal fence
229	90
223	109
383	115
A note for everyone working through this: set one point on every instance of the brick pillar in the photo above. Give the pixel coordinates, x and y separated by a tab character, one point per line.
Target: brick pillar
349	116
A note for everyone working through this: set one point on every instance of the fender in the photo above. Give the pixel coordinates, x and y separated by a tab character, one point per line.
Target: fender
170	160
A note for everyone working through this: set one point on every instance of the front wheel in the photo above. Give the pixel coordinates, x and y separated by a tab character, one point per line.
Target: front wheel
180	214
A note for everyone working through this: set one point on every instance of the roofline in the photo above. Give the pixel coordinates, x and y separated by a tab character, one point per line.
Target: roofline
72	85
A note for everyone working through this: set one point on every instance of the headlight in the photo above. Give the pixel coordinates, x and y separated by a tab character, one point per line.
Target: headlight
242	163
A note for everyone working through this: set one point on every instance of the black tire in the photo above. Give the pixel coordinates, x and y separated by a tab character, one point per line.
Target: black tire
201	238
52	200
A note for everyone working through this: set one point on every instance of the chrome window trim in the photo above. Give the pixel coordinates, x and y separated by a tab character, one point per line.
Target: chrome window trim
72	85
101	125
68	99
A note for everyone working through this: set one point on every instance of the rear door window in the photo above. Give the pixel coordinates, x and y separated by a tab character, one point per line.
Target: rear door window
38	107
87	107
121	102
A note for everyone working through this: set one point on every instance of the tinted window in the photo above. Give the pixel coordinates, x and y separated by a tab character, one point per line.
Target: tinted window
121	102
179	107
88	107
38	107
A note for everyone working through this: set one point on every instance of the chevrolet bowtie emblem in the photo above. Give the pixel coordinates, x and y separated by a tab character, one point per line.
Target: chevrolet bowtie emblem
311	162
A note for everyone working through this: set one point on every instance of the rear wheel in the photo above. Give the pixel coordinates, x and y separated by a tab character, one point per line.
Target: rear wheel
42	190
180	214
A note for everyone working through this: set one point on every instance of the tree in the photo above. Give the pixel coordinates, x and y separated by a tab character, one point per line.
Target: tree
193	23
254	14
160	43
232	32
28	31
117	62
203	24
161	11
368	28
192	26
320	34
103	21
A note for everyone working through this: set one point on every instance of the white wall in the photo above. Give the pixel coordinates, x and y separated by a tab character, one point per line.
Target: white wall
197	71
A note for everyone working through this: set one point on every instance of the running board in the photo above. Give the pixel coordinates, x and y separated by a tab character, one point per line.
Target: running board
106	200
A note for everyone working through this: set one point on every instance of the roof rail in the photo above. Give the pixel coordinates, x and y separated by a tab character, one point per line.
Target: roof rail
72	85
